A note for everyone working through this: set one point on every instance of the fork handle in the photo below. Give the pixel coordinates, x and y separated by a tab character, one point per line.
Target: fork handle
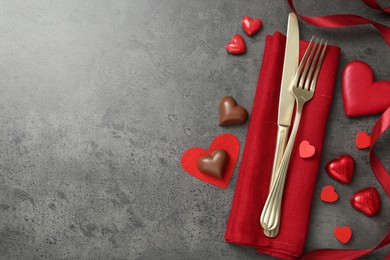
270	216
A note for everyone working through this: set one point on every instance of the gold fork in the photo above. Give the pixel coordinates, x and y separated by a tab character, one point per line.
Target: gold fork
303	90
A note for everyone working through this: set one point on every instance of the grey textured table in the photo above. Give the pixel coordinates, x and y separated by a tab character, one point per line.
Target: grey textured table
98	100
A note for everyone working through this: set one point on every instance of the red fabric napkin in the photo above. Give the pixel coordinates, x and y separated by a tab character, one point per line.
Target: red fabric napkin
255	172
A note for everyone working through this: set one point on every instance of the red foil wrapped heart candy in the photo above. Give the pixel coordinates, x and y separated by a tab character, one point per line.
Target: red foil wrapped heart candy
341	169
367	201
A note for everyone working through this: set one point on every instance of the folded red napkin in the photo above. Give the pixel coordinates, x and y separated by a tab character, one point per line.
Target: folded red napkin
255	172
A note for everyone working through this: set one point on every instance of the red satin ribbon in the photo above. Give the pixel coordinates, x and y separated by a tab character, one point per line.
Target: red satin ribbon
374	4
343	254
345	20
377	167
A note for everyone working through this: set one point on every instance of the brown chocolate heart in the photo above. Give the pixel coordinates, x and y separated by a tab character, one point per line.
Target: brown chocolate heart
214	164
230	113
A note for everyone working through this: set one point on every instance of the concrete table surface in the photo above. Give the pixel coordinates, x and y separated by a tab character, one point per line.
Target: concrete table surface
98	101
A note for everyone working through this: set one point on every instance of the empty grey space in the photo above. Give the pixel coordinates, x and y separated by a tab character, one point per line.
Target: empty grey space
99	99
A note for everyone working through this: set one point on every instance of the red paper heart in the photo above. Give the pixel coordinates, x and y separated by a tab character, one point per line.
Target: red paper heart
237	45
306	150
367	201
341	169
361	95
343	234
227	142
328	194
250	26
363	140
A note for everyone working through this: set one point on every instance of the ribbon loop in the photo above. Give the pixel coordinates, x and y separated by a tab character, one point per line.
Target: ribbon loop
345	20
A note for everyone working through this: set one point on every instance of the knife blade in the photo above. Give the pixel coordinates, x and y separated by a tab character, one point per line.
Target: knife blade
286	100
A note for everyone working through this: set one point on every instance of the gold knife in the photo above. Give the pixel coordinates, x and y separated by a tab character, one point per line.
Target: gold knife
286	100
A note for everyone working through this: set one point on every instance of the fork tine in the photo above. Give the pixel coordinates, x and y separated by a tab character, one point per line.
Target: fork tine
313	66
314	81
308	64
303	61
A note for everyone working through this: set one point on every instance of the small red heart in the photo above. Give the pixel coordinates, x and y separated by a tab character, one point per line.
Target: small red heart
227	142
250	26
328	194
237	45
361	94
341	169
343	234
306	150
367	201
363	140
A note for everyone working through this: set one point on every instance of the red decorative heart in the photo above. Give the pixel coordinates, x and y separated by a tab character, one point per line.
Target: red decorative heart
227	142
306	150
250	26
341	169
237	45
367	201
343	234
361	94
363	140
328	194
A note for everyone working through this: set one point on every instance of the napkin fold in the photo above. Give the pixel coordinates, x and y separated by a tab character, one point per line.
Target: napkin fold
252	187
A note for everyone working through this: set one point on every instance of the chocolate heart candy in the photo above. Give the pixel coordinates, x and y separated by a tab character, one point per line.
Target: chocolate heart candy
341	168
230	113
213	164
367	201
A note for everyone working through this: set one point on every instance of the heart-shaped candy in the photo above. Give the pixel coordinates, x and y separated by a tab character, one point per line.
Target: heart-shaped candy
227	142
214	164
361	94
250	26
367	201
230	113
237	45
306	150
343	234
363	140
341	169
328	194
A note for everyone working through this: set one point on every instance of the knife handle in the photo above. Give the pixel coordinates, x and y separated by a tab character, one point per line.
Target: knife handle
281	142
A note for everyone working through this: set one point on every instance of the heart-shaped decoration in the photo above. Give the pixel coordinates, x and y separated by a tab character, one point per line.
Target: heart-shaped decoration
343	234
230	113
367	201
361	94
250	26
214	164
227	142
306	150
363	140
328	194
237	45
341	169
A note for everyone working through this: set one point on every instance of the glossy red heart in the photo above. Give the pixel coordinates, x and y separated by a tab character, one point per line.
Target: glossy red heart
343	234
250	26
328	194
361	94
237	45
367	201
341	169
363	140
227	142
306	150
